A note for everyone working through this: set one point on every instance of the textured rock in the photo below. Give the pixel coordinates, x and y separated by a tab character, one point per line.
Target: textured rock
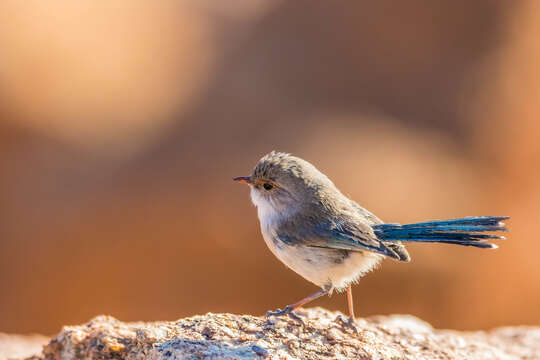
226	336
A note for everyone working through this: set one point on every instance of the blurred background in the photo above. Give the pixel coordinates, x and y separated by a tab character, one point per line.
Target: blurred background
122	124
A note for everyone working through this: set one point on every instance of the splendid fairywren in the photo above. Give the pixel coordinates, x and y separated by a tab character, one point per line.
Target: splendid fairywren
328	238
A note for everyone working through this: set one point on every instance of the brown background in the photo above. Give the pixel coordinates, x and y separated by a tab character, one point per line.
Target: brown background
122	124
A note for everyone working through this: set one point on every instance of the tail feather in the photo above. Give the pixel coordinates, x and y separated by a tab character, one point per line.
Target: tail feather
463	231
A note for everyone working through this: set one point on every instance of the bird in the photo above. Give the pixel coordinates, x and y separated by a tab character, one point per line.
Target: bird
329	239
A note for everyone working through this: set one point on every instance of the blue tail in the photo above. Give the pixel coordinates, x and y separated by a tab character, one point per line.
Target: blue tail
466	231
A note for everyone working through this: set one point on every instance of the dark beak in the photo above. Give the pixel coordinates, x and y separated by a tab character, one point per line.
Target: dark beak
243	179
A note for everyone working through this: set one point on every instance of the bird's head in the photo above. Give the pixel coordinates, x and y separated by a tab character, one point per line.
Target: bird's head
281	183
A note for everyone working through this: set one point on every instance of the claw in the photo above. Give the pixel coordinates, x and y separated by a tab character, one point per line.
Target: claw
349	323
279	312
287	311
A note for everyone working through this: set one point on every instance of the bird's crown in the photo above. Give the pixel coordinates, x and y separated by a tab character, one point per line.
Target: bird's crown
284	168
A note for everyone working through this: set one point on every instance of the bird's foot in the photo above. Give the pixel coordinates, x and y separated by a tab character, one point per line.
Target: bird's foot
287	311
349	323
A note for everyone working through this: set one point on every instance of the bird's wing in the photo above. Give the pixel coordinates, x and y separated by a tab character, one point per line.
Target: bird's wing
397	247
365	213
333	234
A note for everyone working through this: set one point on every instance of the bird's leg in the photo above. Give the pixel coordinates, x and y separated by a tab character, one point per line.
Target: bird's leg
350	303
350	322
290	308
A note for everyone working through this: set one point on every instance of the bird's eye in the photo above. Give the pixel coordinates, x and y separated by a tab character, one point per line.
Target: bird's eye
267	186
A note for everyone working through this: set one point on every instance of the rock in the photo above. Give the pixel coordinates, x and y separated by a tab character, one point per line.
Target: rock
226	336
21	346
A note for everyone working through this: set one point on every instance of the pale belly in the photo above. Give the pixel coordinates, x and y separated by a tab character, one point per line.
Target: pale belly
327	268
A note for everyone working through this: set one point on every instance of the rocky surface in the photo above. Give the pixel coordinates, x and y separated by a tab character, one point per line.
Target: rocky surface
226	336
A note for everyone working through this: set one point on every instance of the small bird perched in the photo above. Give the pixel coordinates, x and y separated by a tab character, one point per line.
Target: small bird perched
328	238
